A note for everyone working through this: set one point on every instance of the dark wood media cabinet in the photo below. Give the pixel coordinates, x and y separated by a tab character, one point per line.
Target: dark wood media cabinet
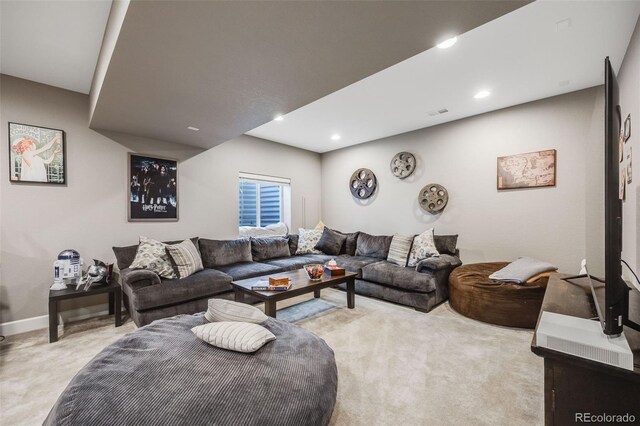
574	386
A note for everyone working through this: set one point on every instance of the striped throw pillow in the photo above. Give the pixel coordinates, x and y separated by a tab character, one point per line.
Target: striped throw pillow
399	249
185	257
234	336
227	310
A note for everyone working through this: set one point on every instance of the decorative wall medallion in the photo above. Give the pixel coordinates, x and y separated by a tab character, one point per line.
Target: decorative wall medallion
403	164
433	198
363	184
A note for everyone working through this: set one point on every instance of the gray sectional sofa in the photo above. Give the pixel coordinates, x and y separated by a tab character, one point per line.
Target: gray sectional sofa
148	297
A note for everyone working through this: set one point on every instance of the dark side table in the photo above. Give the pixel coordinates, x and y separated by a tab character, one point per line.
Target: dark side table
115	303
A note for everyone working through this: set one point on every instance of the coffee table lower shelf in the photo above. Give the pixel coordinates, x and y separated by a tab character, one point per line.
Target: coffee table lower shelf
300	284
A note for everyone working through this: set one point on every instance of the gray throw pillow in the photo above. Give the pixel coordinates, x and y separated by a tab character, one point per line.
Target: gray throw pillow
331	242
224	252
293	243
521	269
373	245
269	248
350	244
446	244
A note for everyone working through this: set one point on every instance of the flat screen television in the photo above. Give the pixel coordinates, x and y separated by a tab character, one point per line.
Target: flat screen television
613	311
616	290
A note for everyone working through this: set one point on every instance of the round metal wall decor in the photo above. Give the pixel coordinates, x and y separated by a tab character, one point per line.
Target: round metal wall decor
403	164
363	184
433	198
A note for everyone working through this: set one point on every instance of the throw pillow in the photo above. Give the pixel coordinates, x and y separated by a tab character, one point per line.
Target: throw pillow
152	255
320	226
351	243
521	269
227	310
373	245
185	257
399	249
446	244
293	243
423	246
307	240
269	248
331	242
234	336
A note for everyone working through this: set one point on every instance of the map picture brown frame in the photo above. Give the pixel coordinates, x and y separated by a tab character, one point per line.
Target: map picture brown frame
525	175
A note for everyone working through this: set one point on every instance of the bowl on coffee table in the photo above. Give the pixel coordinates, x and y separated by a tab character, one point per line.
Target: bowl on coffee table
314	271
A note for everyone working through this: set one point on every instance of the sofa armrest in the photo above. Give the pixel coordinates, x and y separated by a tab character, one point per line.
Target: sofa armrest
137	278
438	263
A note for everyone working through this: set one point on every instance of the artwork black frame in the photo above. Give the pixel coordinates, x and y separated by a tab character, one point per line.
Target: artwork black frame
12	160
155	198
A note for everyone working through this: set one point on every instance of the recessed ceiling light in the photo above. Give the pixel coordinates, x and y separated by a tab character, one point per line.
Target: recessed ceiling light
482	94
278	118
448	43
335	137
195	129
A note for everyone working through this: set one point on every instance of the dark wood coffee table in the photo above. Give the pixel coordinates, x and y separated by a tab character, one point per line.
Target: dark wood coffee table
300	284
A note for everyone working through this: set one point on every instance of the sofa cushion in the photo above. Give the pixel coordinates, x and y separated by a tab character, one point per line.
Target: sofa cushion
406	278
350	244
293	243
224	252
446	244
269	248
373	245
444	261
242	270
355	263
125	255
205	283
297	262
331	242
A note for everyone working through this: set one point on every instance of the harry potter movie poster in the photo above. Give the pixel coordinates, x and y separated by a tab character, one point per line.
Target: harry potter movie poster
153	188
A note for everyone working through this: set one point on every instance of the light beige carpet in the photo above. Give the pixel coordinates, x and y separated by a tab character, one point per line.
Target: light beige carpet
395	366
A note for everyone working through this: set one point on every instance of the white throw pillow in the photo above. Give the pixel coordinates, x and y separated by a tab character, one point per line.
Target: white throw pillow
152	255
399	249
228	310
186	258
234	336
423	247
308	238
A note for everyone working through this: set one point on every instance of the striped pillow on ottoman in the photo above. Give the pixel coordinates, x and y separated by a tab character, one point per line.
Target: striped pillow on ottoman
185	257
399	249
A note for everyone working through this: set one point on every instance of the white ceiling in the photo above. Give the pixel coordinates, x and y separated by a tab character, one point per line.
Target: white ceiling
519	57
52	42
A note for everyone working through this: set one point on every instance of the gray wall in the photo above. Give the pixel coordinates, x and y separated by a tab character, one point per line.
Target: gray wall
546	223
89	213
629	81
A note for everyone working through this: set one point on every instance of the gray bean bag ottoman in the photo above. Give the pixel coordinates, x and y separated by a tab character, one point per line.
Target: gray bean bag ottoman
162	374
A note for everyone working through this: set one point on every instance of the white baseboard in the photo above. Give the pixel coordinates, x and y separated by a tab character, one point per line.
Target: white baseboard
37	323
22	326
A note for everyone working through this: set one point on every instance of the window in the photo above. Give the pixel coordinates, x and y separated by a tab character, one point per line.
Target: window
263	200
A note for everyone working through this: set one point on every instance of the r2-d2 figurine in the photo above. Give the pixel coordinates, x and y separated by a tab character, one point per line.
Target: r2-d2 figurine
67	269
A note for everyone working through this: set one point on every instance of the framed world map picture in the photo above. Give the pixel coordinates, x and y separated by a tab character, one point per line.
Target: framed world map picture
530	170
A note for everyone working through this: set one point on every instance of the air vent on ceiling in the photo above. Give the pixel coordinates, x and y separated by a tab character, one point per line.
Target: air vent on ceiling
437	112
